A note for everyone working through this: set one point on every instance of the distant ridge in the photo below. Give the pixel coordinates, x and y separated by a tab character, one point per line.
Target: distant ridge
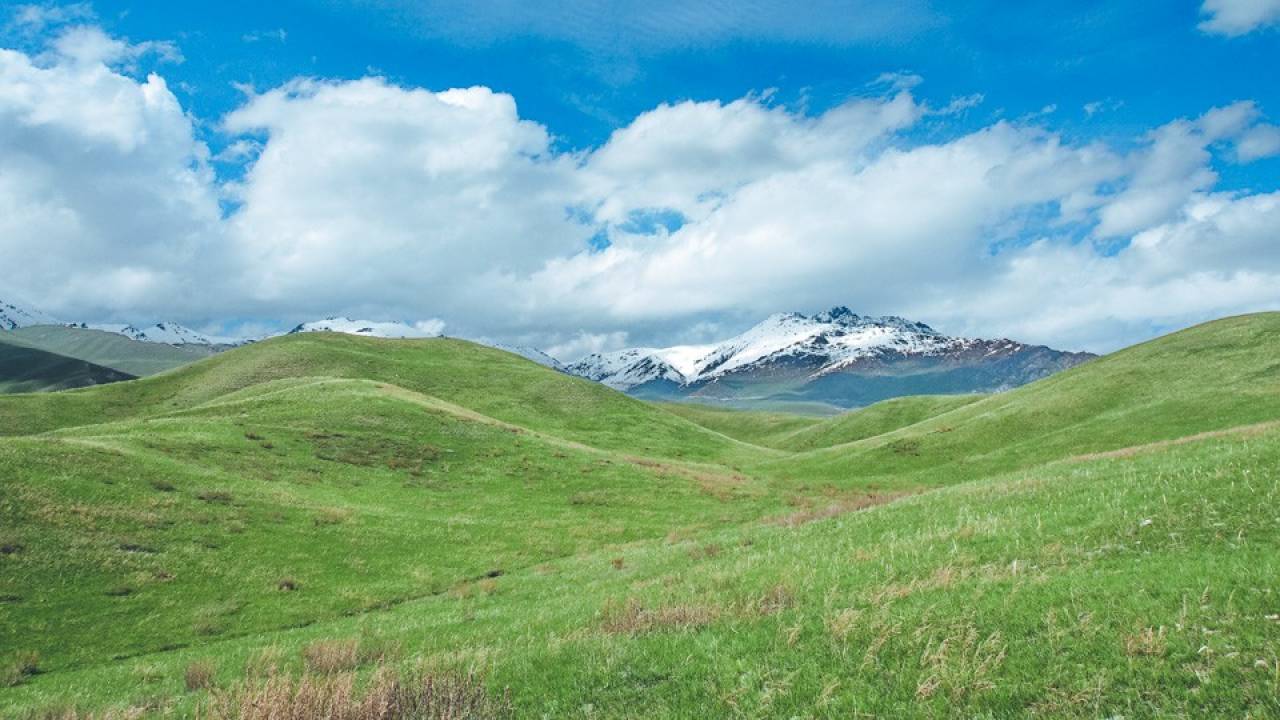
836	357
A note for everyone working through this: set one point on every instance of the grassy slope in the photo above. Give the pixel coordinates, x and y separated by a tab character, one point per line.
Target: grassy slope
108	349
25	369
1213	376
878	419
184	527
492	382
1031	589
753	426
1136	586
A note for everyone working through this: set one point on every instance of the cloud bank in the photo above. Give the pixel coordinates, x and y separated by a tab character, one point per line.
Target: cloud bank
371	199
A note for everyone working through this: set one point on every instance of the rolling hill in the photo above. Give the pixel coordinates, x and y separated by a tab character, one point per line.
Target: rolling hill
26	369
1098	543
108	349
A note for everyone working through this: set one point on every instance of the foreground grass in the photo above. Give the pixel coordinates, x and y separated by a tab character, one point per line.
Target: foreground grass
1142	585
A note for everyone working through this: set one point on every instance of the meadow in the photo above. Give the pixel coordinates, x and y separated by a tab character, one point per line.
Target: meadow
325	516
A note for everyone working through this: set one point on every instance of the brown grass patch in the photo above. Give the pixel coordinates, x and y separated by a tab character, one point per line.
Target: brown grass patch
718	485
811	512
960	663
199	675
633	618
386	697
328	657
1150	642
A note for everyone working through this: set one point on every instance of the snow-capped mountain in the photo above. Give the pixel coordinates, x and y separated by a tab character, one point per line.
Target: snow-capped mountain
15	316
528	353
368	328
835	357
164	332
625	369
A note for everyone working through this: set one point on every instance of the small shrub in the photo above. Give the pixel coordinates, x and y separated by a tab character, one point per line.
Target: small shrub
199	675
331	656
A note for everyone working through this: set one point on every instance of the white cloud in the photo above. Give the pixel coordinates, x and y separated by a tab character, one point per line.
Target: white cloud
1258	142
1238	17
105	199
367	193
379	201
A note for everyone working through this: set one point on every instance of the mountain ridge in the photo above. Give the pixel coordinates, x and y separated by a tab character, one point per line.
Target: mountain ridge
788	354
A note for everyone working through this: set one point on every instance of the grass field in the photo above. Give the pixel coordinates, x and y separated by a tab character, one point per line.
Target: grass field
1102	543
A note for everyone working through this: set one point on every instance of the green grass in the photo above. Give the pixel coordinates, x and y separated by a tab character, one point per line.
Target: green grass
603	557
107	349
26	369
754	426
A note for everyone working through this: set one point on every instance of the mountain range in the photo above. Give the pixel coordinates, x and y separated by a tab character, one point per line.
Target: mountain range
836	357
829	361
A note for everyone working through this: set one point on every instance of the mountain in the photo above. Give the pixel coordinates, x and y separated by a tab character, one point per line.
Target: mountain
165	332
528	353
365	328
26	369
109	349
14	316
836	357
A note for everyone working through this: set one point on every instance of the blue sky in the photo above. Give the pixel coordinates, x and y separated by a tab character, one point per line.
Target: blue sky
1118	96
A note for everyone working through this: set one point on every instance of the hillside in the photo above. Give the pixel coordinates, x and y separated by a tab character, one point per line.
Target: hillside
1099	543
109	349
26	369
1214	376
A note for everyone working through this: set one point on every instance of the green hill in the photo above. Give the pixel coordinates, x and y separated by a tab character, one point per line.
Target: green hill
107	349
25	369
1101	543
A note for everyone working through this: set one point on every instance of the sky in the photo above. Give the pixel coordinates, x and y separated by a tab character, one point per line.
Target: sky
596	175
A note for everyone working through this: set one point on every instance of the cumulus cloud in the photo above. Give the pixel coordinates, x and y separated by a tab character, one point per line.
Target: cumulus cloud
1238	17
106	200
375	200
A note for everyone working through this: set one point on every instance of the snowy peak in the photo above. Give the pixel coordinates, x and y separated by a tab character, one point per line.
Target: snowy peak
625	369
164	332
529	353
824	343
14	316
370	328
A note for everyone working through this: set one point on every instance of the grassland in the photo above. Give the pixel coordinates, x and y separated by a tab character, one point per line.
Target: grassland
1101	543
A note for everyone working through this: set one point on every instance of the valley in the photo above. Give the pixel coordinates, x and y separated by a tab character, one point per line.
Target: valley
1099	542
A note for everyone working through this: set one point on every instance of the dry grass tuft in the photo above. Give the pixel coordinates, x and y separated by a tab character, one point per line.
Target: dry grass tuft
199	675
633	618
386	697
328	657
1150	642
